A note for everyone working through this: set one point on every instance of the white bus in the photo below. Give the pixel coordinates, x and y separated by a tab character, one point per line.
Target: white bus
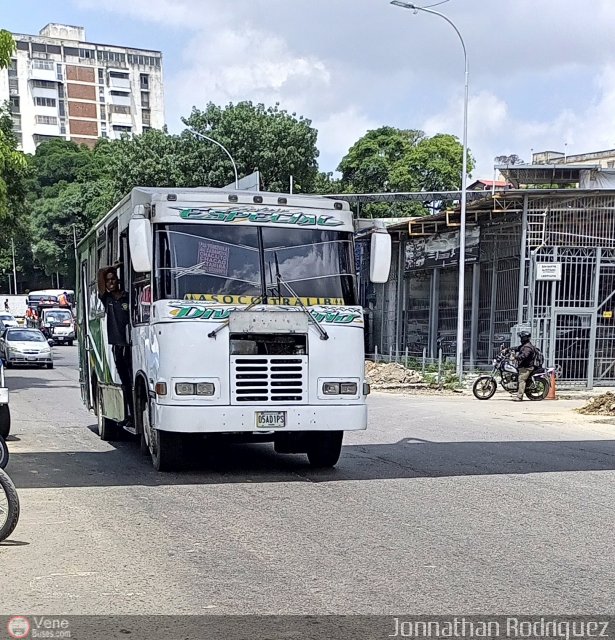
244	320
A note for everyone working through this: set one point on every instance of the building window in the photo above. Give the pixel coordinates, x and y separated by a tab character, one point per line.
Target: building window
146	129
146	117
23	46
61	91
149	61
46	120
122	75
101	94
111	56
120	128
610	164
12	68
144	81
119	108
103	112
62	108
59	73
63	127
44	84
88	54
36	46
14	101
145	99
122	94
13	87
71	51
45	102
101	76
47	65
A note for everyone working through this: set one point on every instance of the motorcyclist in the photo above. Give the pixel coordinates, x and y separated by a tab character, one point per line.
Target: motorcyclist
525	353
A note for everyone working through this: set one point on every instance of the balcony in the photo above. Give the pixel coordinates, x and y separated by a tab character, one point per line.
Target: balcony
43	70
120	83
43	92
119	98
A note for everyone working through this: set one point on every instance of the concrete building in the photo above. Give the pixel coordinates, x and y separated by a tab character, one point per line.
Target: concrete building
603	159
61	86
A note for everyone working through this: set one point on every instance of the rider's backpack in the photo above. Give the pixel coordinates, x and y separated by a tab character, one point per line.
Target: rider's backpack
539	359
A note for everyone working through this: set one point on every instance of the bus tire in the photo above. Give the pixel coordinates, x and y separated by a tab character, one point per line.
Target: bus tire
324	448
167	450
12	513
5	421
108	430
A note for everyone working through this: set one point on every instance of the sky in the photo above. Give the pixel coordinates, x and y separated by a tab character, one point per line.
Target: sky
542	72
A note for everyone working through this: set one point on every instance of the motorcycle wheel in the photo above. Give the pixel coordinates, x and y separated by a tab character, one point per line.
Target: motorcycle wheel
9	506
484	387
4	453
537	389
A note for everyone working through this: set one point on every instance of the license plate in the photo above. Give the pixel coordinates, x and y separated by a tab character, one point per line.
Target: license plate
32	358
270	419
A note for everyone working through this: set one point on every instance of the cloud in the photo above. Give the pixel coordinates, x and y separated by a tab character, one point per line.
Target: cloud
540	74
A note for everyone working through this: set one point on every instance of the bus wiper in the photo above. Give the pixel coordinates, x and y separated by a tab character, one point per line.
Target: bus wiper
215	332
323	334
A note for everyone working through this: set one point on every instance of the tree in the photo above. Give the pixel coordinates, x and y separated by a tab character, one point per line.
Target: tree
269	139
511	159
7	47
399	160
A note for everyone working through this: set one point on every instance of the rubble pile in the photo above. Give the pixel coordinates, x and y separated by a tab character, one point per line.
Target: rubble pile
602	405
391	375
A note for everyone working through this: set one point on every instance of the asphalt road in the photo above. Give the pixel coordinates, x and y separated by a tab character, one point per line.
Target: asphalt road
445	505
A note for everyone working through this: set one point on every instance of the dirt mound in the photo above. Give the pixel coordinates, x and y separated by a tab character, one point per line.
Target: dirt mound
603	405
382	375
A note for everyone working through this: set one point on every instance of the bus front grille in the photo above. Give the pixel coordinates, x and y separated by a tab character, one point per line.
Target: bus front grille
279	379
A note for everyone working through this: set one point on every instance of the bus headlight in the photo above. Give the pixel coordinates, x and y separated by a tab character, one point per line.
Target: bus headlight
205	389
195	388
339	388
348	388
184	388
331	388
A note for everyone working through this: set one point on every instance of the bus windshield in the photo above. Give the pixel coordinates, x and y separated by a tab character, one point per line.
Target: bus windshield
200	261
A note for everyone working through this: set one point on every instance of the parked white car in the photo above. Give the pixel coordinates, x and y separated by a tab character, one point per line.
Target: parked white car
25	346
8	320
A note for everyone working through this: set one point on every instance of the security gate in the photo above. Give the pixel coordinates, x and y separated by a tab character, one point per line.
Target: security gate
572	345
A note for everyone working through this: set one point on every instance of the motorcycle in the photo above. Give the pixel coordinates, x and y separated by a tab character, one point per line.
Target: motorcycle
9	500
505	368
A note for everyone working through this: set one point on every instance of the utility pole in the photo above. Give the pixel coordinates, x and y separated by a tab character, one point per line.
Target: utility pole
14	268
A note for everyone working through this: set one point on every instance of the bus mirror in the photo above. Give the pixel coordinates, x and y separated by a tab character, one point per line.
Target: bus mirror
380	257
140	242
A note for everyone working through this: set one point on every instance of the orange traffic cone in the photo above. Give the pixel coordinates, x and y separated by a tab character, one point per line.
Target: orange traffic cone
551	394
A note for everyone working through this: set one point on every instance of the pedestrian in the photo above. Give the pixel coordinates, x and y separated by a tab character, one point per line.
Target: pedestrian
6	305
116	303
525	354
63	299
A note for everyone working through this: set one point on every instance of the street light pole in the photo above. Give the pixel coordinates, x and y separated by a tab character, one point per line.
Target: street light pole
14	268
202	135
464	182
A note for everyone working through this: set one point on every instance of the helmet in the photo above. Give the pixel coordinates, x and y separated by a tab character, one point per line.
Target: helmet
525	336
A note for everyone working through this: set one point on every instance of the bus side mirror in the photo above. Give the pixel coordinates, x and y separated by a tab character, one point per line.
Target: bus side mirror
140	242
380	257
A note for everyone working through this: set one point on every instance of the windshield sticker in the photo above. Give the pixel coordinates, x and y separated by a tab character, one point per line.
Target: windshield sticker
247	299
344	316
213	258
263	215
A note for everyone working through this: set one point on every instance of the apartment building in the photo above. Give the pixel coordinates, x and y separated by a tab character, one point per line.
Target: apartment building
61	86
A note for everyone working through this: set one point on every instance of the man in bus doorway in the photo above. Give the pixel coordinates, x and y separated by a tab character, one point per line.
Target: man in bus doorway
115	301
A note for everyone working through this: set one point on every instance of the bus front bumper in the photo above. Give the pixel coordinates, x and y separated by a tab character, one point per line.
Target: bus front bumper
233	419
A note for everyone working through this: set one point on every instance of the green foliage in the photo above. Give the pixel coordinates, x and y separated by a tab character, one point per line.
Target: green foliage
7	47
398	160
269	139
